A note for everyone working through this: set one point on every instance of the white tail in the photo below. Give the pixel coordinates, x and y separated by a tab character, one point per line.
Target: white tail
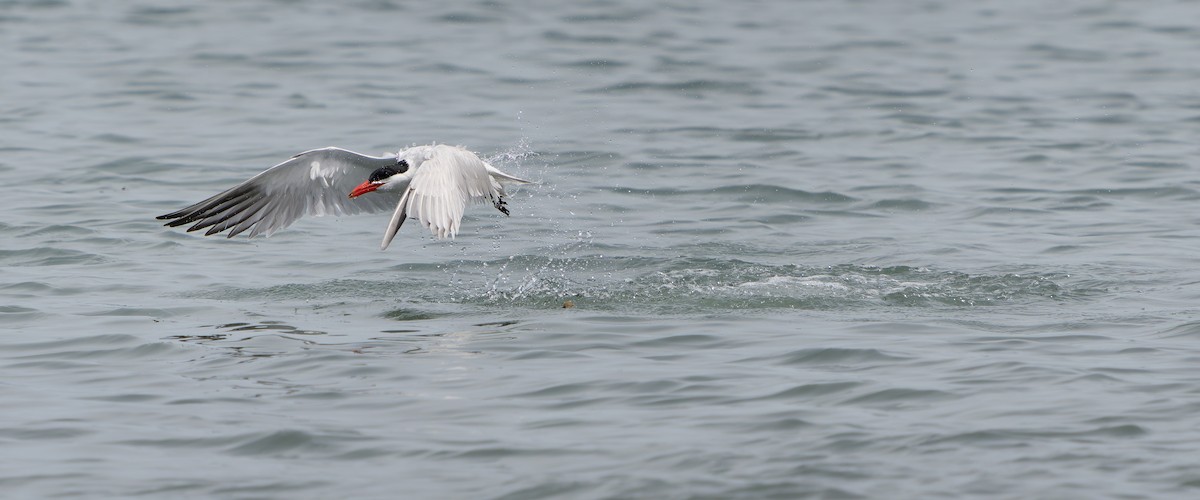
495	172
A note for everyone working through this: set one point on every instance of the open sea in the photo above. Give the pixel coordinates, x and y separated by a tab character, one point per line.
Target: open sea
844	249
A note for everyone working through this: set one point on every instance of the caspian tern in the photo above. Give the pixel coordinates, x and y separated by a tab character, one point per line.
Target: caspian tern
432	184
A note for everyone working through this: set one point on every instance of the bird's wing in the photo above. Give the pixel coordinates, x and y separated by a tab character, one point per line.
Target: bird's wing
440	189
315	182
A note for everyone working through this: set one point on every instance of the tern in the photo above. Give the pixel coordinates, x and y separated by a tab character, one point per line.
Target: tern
432	184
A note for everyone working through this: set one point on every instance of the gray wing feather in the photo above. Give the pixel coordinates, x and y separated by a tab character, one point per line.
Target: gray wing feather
313	183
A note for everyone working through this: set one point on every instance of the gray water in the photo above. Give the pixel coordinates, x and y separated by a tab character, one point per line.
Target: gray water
857	249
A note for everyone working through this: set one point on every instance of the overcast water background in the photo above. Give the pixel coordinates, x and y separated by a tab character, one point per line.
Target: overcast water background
867	249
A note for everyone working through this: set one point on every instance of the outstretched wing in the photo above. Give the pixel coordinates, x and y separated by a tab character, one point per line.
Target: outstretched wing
315	183
447	181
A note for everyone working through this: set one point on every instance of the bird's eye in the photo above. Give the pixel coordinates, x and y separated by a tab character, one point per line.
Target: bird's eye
401	167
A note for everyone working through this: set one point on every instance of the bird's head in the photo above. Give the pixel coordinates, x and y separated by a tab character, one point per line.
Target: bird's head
382	178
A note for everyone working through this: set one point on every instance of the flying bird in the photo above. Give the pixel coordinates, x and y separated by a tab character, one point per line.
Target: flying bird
432	184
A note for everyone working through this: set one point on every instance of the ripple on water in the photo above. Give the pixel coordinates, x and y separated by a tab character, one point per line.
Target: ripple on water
1009	436
806	392
747	134
832	356
899	395
307	291
287	440
140	351
708	285
675	286
82	342
48	256
750	193
16	314
688	88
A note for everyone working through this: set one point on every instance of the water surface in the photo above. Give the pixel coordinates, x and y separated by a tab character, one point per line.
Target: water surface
836	250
